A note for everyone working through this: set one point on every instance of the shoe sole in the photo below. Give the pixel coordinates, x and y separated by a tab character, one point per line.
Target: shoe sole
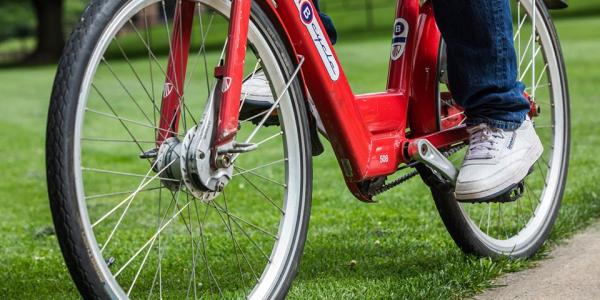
489	195
252	108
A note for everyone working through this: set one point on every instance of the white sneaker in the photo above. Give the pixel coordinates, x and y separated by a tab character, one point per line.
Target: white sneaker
497	161
256	88
257	97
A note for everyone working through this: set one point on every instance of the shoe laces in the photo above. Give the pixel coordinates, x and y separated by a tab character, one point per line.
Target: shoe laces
484	141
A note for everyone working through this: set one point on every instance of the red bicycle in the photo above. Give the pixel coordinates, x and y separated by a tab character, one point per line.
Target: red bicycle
159	189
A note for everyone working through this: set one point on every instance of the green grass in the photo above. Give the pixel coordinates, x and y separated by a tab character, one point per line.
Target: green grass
398	248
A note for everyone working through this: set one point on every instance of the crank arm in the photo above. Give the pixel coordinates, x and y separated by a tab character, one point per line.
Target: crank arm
423	151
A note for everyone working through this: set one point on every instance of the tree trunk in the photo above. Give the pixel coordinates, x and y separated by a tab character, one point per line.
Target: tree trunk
50	36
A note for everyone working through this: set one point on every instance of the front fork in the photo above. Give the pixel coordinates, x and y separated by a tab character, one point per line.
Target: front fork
173	91
229	73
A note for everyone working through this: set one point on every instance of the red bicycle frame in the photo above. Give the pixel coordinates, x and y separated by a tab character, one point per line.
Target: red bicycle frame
370	133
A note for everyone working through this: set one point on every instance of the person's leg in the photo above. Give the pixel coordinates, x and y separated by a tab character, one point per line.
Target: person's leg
482	72
482	64
328	23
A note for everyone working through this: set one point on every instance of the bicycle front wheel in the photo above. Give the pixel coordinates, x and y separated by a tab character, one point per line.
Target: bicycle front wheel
130	230
518	229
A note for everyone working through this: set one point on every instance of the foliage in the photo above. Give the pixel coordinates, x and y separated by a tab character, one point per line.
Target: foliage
400	247
17	17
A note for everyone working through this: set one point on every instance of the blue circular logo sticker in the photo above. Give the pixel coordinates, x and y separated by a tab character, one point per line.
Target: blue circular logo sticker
306	12
399	28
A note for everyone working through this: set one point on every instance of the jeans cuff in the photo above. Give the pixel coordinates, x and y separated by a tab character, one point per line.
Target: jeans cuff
504	125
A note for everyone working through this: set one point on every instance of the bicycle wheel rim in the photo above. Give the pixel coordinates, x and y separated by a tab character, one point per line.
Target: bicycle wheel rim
487	222
287	239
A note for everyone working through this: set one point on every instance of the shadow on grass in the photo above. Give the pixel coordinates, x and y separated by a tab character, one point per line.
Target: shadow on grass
366	264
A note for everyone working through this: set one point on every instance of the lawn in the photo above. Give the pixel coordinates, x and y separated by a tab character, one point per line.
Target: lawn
397	248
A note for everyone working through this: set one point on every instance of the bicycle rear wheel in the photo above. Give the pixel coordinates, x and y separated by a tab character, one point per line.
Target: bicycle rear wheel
127	228
518	229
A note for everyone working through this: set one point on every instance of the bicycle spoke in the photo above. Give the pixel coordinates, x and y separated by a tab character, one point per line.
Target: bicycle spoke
129	202
192	281
103	140
126	90
235	243
276	103
159	240
517	34
263	194
259	167
534	52
269	138
152	98
202	49
95	170
531	66
151	240
487	229
524	53
260	114
540	86
249	224
117	117
140	187
530	197
251	77
262	252
209	273
510	227
158	272
119	193
139	270
233	239
125	120
542	73
262	177
164	73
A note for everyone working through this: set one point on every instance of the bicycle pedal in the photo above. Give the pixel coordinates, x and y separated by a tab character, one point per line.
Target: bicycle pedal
513	194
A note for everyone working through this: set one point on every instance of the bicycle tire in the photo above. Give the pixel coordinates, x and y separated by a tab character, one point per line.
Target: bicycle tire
74	238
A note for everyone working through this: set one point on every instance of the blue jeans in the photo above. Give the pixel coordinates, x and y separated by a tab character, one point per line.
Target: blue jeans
328	23
482	63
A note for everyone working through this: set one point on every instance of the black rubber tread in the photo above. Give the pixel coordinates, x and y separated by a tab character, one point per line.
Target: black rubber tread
449	209
59	154
287	62
60	147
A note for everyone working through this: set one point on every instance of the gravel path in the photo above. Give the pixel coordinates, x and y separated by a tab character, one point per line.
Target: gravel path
571	272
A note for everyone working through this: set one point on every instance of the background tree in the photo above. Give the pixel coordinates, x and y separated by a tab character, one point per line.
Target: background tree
39	24
49	30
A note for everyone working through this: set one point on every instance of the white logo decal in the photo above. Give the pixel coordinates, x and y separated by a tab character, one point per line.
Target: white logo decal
399	38
384	159
168	89
305	9
226	84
